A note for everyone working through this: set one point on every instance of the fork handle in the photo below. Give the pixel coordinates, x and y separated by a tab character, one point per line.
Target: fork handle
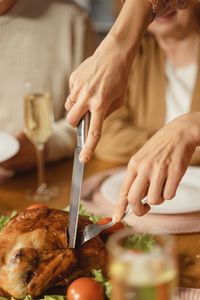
127	213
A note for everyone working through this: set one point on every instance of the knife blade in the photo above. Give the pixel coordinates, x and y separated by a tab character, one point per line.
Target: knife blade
77	179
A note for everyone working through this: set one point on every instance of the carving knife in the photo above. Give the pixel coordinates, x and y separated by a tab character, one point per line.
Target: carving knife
77	179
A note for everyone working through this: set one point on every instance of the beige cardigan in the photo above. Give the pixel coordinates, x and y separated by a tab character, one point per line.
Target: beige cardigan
126	130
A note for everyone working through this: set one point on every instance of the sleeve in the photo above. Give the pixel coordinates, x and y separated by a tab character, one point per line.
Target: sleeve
63	139
120	138
161	7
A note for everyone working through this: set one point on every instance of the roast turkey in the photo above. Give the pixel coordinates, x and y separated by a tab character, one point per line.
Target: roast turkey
34	253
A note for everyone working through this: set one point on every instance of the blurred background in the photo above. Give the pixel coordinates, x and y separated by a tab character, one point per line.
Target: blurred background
103	13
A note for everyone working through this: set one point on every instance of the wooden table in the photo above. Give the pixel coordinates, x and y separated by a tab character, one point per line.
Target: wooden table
13	197
13	192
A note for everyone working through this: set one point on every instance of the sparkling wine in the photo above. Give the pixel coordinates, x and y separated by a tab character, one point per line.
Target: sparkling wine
142	266
159	288
37	117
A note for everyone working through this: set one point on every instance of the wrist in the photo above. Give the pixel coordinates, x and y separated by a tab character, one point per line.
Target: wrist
191	127
195	129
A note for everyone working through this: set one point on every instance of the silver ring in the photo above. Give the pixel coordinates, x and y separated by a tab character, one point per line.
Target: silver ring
144	200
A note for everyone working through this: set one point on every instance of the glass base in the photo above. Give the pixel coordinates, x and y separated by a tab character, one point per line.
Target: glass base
43	193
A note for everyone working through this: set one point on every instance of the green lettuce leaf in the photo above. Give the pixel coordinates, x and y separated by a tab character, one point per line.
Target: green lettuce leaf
5	219
54	297
28	297
3	298
144	242
99	277
83	212
92	217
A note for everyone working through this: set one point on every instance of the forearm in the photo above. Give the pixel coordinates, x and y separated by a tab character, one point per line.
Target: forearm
131	24
135	17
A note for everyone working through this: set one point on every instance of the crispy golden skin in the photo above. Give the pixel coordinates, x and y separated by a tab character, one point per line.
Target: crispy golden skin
34	253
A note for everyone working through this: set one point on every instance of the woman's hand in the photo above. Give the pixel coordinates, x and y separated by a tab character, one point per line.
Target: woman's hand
156	170
98	85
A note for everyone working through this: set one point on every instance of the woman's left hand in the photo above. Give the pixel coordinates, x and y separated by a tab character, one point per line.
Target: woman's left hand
156	170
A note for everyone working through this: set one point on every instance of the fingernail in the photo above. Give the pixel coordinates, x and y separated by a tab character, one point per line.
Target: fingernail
168	196
84	158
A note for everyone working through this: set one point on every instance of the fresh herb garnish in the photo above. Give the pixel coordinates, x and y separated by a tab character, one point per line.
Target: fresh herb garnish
5	219
143	242
83	212
54	297
99	277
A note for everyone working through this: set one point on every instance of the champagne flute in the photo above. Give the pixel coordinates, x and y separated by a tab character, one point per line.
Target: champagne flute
38	119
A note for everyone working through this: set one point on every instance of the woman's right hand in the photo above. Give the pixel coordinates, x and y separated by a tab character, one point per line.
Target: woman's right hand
98	85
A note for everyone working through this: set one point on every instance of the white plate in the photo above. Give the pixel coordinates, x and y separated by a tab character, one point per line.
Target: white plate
9	146
187	198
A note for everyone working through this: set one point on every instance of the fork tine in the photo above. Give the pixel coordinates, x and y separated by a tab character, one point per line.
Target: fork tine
92	230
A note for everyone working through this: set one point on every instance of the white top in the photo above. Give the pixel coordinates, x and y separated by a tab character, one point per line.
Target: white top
42	40
179	90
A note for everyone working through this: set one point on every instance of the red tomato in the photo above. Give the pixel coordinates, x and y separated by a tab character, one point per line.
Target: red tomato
136	250
116	227
85	289
36	205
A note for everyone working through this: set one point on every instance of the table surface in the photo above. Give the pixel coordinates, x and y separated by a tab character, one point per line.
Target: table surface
13	197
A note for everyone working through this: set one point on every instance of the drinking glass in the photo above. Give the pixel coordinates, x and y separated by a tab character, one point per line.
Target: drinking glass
142	266
38	119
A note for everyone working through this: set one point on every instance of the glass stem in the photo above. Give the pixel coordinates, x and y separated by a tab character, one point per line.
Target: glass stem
40	167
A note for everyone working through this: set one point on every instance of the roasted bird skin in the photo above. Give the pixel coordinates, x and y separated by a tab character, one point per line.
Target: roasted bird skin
34	253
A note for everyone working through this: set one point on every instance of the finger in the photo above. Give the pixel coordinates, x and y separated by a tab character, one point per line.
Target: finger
137	192
156	187
72	81
81	106
77	111
69	103
174	177
72	97
94	134
123	195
